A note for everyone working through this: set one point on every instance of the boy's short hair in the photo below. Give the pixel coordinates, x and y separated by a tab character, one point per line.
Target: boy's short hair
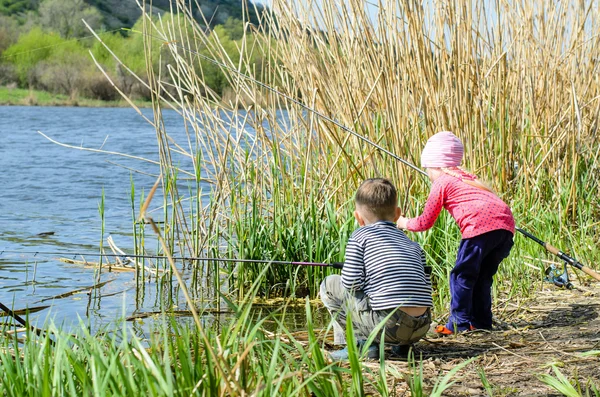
378	196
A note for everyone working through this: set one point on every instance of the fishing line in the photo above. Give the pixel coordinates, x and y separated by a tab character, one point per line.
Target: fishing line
291	99
336	265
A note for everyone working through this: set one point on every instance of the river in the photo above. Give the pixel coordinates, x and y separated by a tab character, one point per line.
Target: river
49	202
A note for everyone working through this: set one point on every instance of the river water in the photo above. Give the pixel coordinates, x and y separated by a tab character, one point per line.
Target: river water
49	202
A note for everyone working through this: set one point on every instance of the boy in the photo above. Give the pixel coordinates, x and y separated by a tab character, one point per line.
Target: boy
384	272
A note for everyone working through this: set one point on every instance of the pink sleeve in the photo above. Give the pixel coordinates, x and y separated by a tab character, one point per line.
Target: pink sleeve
433	207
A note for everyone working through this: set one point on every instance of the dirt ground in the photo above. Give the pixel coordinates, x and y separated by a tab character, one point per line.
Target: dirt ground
557	326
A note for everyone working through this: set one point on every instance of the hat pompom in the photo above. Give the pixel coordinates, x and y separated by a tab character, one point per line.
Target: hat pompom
444	149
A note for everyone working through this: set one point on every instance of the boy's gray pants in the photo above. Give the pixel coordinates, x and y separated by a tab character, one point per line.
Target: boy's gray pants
400	329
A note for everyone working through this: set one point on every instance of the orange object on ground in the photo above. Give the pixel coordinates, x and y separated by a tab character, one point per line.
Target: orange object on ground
443	330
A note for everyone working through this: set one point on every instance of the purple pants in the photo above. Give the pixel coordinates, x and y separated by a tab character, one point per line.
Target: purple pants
472	277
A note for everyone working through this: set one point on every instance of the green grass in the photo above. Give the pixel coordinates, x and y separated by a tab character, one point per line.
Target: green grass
232	356
24	97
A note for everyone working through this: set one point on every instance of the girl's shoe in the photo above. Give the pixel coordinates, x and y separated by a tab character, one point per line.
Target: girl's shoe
442	330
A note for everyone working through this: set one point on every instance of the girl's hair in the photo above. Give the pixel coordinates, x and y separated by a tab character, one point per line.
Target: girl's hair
378	196
466	177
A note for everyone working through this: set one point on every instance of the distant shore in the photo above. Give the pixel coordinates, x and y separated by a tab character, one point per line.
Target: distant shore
23	97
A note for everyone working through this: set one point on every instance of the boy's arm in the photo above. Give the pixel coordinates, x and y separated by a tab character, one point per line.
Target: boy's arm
353	272
426	268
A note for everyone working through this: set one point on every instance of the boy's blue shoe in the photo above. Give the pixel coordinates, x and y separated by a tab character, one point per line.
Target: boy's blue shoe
372	352
342	355
339	355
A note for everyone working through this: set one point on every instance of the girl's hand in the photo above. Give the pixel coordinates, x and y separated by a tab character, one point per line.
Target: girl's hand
401	222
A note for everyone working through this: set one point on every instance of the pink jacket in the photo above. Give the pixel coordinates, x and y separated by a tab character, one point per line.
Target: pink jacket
475	210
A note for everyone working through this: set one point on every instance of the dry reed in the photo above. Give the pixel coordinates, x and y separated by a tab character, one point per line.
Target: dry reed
517	82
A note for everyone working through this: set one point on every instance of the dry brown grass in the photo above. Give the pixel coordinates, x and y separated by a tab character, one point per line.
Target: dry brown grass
518	83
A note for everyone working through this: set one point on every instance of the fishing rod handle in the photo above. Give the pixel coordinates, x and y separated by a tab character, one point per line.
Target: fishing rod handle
590	272
552	249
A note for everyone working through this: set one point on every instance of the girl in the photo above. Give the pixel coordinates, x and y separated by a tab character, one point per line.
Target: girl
486	224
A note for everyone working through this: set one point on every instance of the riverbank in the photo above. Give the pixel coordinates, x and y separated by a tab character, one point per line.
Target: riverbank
23	97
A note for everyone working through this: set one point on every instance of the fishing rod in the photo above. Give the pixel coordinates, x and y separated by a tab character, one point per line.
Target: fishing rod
550	248
335	265
24	323
286	96
566	258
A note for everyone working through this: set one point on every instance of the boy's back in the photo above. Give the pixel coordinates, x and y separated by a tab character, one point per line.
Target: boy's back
387	266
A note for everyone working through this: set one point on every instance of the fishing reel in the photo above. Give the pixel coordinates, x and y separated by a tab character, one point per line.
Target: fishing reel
554	276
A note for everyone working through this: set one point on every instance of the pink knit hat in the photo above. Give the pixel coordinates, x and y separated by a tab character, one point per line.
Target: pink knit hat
443	149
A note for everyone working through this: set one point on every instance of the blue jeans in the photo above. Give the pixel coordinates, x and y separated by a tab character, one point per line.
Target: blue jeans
471	279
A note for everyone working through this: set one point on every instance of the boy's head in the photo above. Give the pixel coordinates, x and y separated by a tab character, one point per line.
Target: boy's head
376	200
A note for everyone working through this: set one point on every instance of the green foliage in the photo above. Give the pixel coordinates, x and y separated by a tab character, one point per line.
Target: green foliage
234	28
489	388
43	59
441	385
294	232
217	12
11	7
65	70
415	378
8	32
237	356
31	48
560	383
130	51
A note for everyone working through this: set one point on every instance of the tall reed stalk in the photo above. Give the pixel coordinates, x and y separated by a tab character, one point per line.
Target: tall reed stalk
517	83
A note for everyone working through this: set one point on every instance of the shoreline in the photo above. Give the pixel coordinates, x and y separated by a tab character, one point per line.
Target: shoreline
25	97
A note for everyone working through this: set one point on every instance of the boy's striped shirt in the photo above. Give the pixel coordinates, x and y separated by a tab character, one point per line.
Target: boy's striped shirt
387	266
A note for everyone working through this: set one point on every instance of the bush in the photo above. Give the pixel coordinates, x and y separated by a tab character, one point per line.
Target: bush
97	86
61	78
31	48
9	29
8	75
65	17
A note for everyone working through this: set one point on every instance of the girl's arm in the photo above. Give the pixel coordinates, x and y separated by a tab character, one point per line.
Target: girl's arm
433	207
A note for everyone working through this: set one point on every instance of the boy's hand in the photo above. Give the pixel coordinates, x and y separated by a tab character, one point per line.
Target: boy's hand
401	222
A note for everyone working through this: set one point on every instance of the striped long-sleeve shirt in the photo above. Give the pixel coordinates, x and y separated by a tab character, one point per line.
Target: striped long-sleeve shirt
387	266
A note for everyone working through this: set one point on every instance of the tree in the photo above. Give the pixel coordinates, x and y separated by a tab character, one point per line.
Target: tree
12	7
64	70
31	48
9	32
65	17
234	28
216	12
